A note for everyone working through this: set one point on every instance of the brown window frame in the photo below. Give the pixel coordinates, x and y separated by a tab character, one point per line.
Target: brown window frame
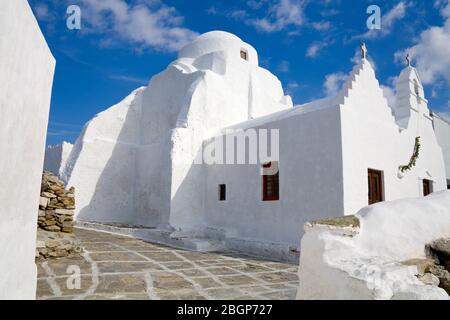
270	182
370	194
222	192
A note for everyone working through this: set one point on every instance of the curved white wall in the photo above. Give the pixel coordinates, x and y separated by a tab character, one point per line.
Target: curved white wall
228	90
102	164
215	41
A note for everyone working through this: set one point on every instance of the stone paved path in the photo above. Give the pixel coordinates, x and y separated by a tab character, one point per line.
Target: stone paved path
118	267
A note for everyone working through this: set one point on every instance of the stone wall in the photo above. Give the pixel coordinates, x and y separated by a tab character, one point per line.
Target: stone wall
55	236
56	205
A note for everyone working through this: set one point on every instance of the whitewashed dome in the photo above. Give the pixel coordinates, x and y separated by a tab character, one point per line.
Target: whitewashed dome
218	41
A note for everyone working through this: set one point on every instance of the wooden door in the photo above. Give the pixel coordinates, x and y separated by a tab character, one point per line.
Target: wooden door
375	179
427	188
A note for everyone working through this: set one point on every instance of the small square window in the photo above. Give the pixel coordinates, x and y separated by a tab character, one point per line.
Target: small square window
244	55
222	192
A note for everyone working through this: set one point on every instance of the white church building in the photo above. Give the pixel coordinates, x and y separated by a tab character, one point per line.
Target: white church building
135	166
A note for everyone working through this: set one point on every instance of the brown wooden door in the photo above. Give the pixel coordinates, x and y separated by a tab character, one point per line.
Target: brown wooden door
427	189
375	179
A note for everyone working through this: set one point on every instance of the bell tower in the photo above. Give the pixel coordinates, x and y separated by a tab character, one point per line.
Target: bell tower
410	94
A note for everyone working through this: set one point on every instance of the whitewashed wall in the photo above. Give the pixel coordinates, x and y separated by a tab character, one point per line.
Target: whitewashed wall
442	129
344	263
102	164
371	139
26	76
228	90
310	171
132	163
56	157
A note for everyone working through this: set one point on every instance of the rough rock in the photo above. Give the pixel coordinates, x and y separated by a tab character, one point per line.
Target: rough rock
440	251
43	202
429	279
345	221
51	244
56	205
443	275
52	228
423	265
64	212
48	195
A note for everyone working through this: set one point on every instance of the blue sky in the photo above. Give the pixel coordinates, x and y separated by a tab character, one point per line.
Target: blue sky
310	45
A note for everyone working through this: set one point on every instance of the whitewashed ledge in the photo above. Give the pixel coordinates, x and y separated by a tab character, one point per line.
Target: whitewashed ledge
366	256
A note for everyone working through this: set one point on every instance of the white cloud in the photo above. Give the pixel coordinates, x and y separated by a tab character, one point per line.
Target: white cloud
389	94
390	91
211	10
445	114
329	12
292	87
147	23
281	14
387	22
126	78
396	13
42	12
431	53
283	66
333	83
255	4
314	49
321	26
239	14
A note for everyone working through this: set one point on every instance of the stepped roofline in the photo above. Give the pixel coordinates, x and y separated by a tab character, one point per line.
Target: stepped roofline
329	102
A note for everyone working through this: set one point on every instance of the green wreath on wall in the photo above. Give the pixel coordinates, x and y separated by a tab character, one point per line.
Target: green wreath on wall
412	161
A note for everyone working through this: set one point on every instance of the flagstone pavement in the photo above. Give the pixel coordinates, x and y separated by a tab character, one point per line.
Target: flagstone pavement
119	267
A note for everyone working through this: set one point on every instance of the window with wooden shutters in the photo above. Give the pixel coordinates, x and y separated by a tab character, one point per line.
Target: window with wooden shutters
427	187
375	180
271	185
222	192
